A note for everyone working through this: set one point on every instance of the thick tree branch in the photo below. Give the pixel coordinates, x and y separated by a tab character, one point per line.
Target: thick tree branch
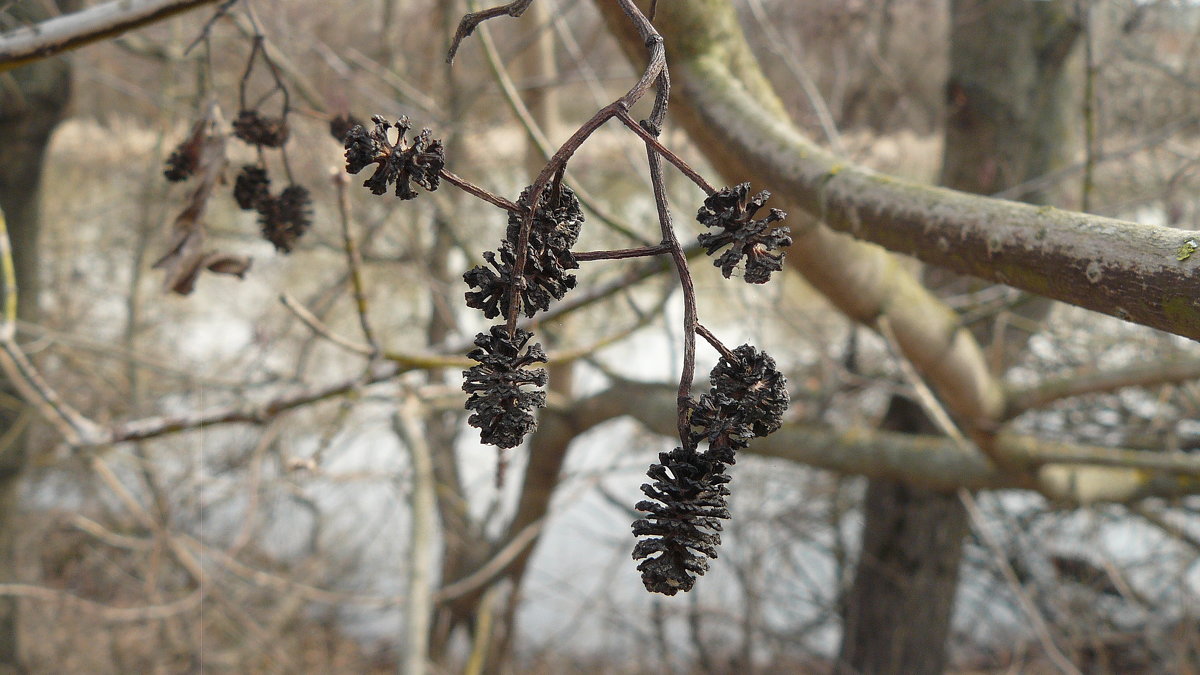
1168	371
1137	272
31	43
1062	471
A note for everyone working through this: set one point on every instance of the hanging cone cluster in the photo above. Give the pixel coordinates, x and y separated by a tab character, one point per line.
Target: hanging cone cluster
687	501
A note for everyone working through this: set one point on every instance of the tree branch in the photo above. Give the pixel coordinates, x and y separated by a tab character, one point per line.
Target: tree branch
1136	272
420	558
32	43
1169	371
188	603
1063	471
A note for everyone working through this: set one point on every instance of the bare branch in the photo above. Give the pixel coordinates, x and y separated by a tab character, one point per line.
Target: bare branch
538	137
268	580
153	427
731	112
1170	371
395	364
186	559
419	609
354	261
1135	271
53	36
471	21
320	328
1071	473
1041	628
20	371
493	568
187	603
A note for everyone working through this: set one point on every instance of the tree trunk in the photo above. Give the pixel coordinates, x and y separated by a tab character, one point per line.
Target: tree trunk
1009	101
897	614
32	100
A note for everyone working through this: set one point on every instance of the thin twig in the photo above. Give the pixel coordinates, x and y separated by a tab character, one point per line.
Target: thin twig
354	261
666	152
187	560
1084	10
655	73
157	426
493	568
622	253
534	131
206	31
260	48
320	328
1041	628
468	23
716	344
275	582
187	603
633	275
1173	530
1141	374
787	53
655	70
688	370
474	190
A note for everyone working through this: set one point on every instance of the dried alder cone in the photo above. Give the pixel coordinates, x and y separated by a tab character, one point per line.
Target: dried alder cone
200	155
402	162
251	186
185	158
554	230
502	408
182	163
284	219
687	507
731	212
686	500
341	125
266	132
747	399
501	394
749	391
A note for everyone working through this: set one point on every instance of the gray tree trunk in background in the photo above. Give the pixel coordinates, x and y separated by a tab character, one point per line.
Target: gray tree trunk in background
32	101
1010	107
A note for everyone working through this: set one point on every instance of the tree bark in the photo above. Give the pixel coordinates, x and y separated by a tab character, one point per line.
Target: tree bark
1009	97
32	101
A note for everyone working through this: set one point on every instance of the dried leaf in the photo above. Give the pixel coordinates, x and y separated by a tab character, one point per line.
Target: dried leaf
227	263
185	257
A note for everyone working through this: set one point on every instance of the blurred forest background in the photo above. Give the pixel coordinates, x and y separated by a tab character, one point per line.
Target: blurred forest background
296	489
